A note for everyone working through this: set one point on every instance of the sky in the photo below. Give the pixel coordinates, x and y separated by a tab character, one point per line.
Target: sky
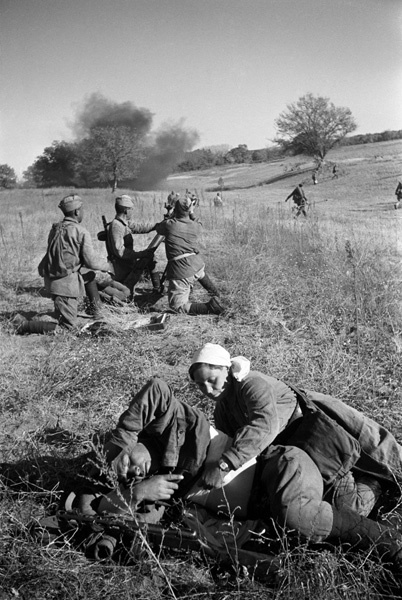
226	68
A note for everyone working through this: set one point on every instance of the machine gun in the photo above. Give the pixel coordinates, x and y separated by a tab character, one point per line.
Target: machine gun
103	535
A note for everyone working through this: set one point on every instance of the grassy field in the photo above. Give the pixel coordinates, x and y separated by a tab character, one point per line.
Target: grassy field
316	302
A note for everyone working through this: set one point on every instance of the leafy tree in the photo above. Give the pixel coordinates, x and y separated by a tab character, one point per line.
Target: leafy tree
240	154
8	178
109	154
55	167
313	125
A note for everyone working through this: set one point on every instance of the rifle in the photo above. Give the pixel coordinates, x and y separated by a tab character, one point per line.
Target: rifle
103	237
106	531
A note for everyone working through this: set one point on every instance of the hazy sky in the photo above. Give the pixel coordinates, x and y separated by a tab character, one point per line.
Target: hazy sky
227	67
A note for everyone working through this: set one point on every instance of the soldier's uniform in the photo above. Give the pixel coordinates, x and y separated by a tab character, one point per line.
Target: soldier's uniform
77	252
120	243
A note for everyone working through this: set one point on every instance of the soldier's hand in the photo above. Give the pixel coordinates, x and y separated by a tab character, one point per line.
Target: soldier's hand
212	476
159	487
147	253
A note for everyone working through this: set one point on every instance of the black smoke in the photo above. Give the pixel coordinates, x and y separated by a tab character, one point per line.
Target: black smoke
166	148
163	149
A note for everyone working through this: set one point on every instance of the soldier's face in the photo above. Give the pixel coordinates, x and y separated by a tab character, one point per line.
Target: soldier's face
212	381
80	214
140	462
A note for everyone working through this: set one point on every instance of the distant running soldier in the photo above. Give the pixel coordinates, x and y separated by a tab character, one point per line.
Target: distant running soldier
300	200
335	172
314	178
398	194
218	202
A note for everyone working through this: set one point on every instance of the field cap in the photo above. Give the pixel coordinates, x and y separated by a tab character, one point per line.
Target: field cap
184	203
70	203
124	201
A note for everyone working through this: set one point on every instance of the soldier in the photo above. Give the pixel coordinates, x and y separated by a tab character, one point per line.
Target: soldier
300	200
69	250
315	465
185	265
120	243
398	194
218	202
170	203
335	172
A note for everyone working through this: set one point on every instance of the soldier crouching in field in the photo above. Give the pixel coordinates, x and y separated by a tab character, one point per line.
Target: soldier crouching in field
69	250
120	244
185	265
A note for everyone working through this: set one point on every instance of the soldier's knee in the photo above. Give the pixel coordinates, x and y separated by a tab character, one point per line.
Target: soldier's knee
293	486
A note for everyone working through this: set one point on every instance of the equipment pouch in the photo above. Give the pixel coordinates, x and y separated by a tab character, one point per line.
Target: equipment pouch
329	445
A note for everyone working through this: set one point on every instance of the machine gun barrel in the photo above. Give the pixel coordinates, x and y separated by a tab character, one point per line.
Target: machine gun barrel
111	528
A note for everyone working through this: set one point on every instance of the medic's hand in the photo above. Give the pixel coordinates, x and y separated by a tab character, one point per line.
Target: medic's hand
159	487
212	476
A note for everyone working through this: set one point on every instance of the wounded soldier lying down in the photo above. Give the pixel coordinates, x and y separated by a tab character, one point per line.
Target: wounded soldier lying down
162	447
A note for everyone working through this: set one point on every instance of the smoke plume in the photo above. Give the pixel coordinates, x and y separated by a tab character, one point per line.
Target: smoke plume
164	148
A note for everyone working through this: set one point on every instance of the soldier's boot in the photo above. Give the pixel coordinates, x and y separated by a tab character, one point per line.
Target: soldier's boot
362	533
214	307
41	327
95	302
209	286
156	282
198	308
206	308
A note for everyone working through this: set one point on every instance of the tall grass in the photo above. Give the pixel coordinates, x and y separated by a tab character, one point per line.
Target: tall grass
314	302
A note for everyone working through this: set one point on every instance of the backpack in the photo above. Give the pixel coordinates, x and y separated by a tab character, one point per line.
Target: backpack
57	262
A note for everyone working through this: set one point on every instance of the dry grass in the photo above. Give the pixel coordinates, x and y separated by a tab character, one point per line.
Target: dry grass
316	303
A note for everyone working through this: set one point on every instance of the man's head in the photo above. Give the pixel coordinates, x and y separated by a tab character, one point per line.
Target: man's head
183	206
142	461
124	205
72	207
300	185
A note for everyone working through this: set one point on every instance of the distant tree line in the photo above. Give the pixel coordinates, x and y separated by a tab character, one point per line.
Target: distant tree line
204	158
370	138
